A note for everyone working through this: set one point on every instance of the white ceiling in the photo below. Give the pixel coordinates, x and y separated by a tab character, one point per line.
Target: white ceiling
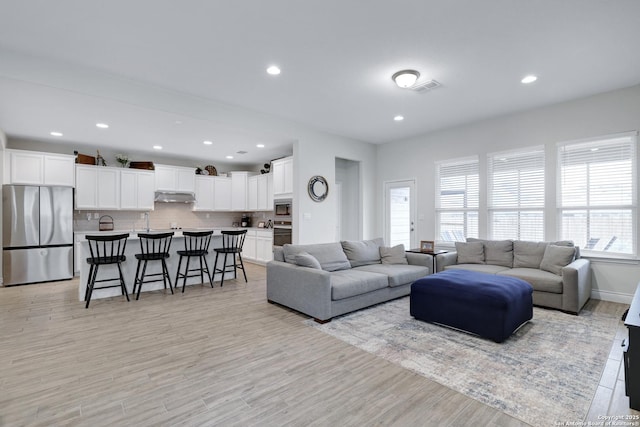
144	65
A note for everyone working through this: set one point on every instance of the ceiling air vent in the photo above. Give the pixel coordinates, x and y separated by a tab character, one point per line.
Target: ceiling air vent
242	152
425	86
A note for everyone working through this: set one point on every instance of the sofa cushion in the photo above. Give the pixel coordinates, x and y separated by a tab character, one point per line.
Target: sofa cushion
470	253
349	283
304	259
363	252
556	257
330	255
496	252
398	274
394	255
542	281
480	268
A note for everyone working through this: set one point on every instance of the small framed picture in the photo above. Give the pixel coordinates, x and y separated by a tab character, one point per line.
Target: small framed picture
426	246
261	224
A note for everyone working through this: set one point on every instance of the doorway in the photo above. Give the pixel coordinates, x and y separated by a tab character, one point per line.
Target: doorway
400	208
348	200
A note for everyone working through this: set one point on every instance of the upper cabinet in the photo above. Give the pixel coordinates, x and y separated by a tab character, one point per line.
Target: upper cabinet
136	189
35	168
98	187
175	178
260	192
282	170
239	184
114	188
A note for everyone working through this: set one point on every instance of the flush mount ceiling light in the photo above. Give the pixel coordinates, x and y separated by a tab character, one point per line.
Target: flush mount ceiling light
398	118
55	133
406	78
102	125
529	79
273	70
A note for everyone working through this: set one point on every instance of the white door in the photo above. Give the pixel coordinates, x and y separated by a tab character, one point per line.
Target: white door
400	213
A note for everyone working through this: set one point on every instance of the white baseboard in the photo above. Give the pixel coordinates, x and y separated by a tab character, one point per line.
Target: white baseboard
612	296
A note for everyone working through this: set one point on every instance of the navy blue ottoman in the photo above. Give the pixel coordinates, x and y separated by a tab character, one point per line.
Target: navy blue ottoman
489	305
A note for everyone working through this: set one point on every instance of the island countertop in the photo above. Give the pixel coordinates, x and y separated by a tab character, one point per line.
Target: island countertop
129	266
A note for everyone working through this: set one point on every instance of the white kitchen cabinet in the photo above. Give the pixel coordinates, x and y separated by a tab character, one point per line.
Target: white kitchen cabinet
175	178
136	190
252	193
282	178
98	187
239	184
258	246
221	193
36	168
204	193
265	192
249	247
264	246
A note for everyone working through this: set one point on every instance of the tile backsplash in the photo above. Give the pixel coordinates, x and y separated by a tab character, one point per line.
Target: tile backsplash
163	216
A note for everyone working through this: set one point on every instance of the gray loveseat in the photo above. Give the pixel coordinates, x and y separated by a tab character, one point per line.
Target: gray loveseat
560	278
329	279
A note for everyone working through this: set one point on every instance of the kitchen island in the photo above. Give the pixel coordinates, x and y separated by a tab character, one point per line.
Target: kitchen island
130	265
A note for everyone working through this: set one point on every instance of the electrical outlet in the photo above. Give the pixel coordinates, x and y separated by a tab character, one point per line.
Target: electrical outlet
89	216
141	216
96	215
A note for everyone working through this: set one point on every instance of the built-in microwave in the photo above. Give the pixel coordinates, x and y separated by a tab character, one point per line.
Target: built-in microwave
282	208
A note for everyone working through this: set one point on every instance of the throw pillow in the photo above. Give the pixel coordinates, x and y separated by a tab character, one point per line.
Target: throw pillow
496	252
528	254
470	253
363	252
305	259
330	255
394	255
556	257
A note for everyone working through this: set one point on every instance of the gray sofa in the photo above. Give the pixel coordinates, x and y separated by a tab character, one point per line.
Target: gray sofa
329	279
560	278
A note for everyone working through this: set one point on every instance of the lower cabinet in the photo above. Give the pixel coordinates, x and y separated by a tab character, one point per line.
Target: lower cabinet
258	246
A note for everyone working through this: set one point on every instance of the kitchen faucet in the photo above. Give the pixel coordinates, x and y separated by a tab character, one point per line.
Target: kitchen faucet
146	218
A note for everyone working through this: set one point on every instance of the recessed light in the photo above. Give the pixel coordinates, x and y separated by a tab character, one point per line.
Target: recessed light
273	70
260	145
178	122
102	125
55	133
157	147
398	118
529	79
207	142
229	157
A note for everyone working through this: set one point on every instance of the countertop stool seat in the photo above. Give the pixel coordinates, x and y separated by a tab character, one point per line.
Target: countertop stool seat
232	242
153	247
196	244
105	250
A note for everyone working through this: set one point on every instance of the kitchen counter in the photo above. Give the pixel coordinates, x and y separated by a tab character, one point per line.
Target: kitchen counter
129	266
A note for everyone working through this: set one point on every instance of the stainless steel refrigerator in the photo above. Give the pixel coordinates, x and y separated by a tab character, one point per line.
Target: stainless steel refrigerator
37	238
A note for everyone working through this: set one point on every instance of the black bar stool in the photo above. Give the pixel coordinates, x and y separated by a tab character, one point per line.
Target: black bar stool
154	247
105	250
196	244
232	242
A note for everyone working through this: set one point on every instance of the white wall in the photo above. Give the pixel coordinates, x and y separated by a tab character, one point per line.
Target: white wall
608	113
315	154
348	175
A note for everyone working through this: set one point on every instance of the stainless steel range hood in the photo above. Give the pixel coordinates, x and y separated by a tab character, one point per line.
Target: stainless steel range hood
175	197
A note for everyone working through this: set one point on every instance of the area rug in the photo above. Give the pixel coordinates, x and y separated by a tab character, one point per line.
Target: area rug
547	372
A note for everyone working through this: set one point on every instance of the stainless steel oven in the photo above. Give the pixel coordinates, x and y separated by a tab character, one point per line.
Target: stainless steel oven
282	233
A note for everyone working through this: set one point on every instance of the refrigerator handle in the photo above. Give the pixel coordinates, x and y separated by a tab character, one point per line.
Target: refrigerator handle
46	216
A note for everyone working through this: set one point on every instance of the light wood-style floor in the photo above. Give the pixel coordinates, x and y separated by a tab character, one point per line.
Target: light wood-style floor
221	356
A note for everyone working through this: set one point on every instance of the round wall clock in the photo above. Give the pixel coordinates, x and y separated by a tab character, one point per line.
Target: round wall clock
318	188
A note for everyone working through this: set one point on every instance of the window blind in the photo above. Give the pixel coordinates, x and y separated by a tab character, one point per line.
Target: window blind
597	194
457	199
516	194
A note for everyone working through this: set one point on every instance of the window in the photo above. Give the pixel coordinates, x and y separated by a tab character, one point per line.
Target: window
516	194
457	196
597	194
